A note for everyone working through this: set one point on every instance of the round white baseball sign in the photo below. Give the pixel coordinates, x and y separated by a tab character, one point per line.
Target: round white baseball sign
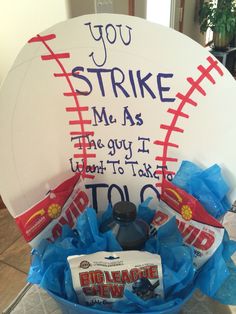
118	99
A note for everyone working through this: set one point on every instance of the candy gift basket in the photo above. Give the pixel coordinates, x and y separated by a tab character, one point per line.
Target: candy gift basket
118	168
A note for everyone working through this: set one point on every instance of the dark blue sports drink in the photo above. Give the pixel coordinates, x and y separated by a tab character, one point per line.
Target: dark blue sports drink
130	231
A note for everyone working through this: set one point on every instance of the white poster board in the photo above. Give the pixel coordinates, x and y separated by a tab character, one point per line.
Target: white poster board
117	98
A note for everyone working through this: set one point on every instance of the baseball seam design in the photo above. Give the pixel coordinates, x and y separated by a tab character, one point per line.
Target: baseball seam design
185	99
79	121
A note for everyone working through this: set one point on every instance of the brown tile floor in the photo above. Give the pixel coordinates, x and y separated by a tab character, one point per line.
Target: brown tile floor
14	259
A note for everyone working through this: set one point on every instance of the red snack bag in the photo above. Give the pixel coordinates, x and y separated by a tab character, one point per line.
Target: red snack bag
61	206
198	228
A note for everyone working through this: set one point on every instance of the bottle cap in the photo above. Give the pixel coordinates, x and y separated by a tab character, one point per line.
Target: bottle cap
124	211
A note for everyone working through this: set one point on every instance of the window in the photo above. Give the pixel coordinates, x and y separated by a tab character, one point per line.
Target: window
159	11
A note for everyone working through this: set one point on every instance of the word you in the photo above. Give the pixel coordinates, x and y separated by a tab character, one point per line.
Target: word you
108	34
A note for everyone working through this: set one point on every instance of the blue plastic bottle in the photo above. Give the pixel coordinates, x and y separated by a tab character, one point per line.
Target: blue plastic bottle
130	232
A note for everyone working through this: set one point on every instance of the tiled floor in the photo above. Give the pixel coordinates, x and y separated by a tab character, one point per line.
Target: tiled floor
14	259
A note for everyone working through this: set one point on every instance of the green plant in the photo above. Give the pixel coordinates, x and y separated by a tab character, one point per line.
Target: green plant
220	18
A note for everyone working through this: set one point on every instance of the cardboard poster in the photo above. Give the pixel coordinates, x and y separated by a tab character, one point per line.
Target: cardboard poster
118	99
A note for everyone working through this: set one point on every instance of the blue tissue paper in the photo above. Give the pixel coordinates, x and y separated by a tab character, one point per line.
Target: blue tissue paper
216	278
50	270
177	259
227	292
207	186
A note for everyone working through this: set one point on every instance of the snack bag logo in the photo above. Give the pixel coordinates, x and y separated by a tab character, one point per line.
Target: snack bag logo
84	264
53	211
186	212
111	284
39	213
173	196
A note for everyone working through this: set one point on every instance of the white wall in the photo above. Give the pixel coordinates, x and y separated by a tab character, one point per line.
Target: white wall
158	11
22	19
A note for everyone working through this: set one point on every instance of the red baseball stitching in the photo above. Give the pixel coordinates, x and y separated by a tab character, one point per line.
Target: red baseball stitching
84	155
178	113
